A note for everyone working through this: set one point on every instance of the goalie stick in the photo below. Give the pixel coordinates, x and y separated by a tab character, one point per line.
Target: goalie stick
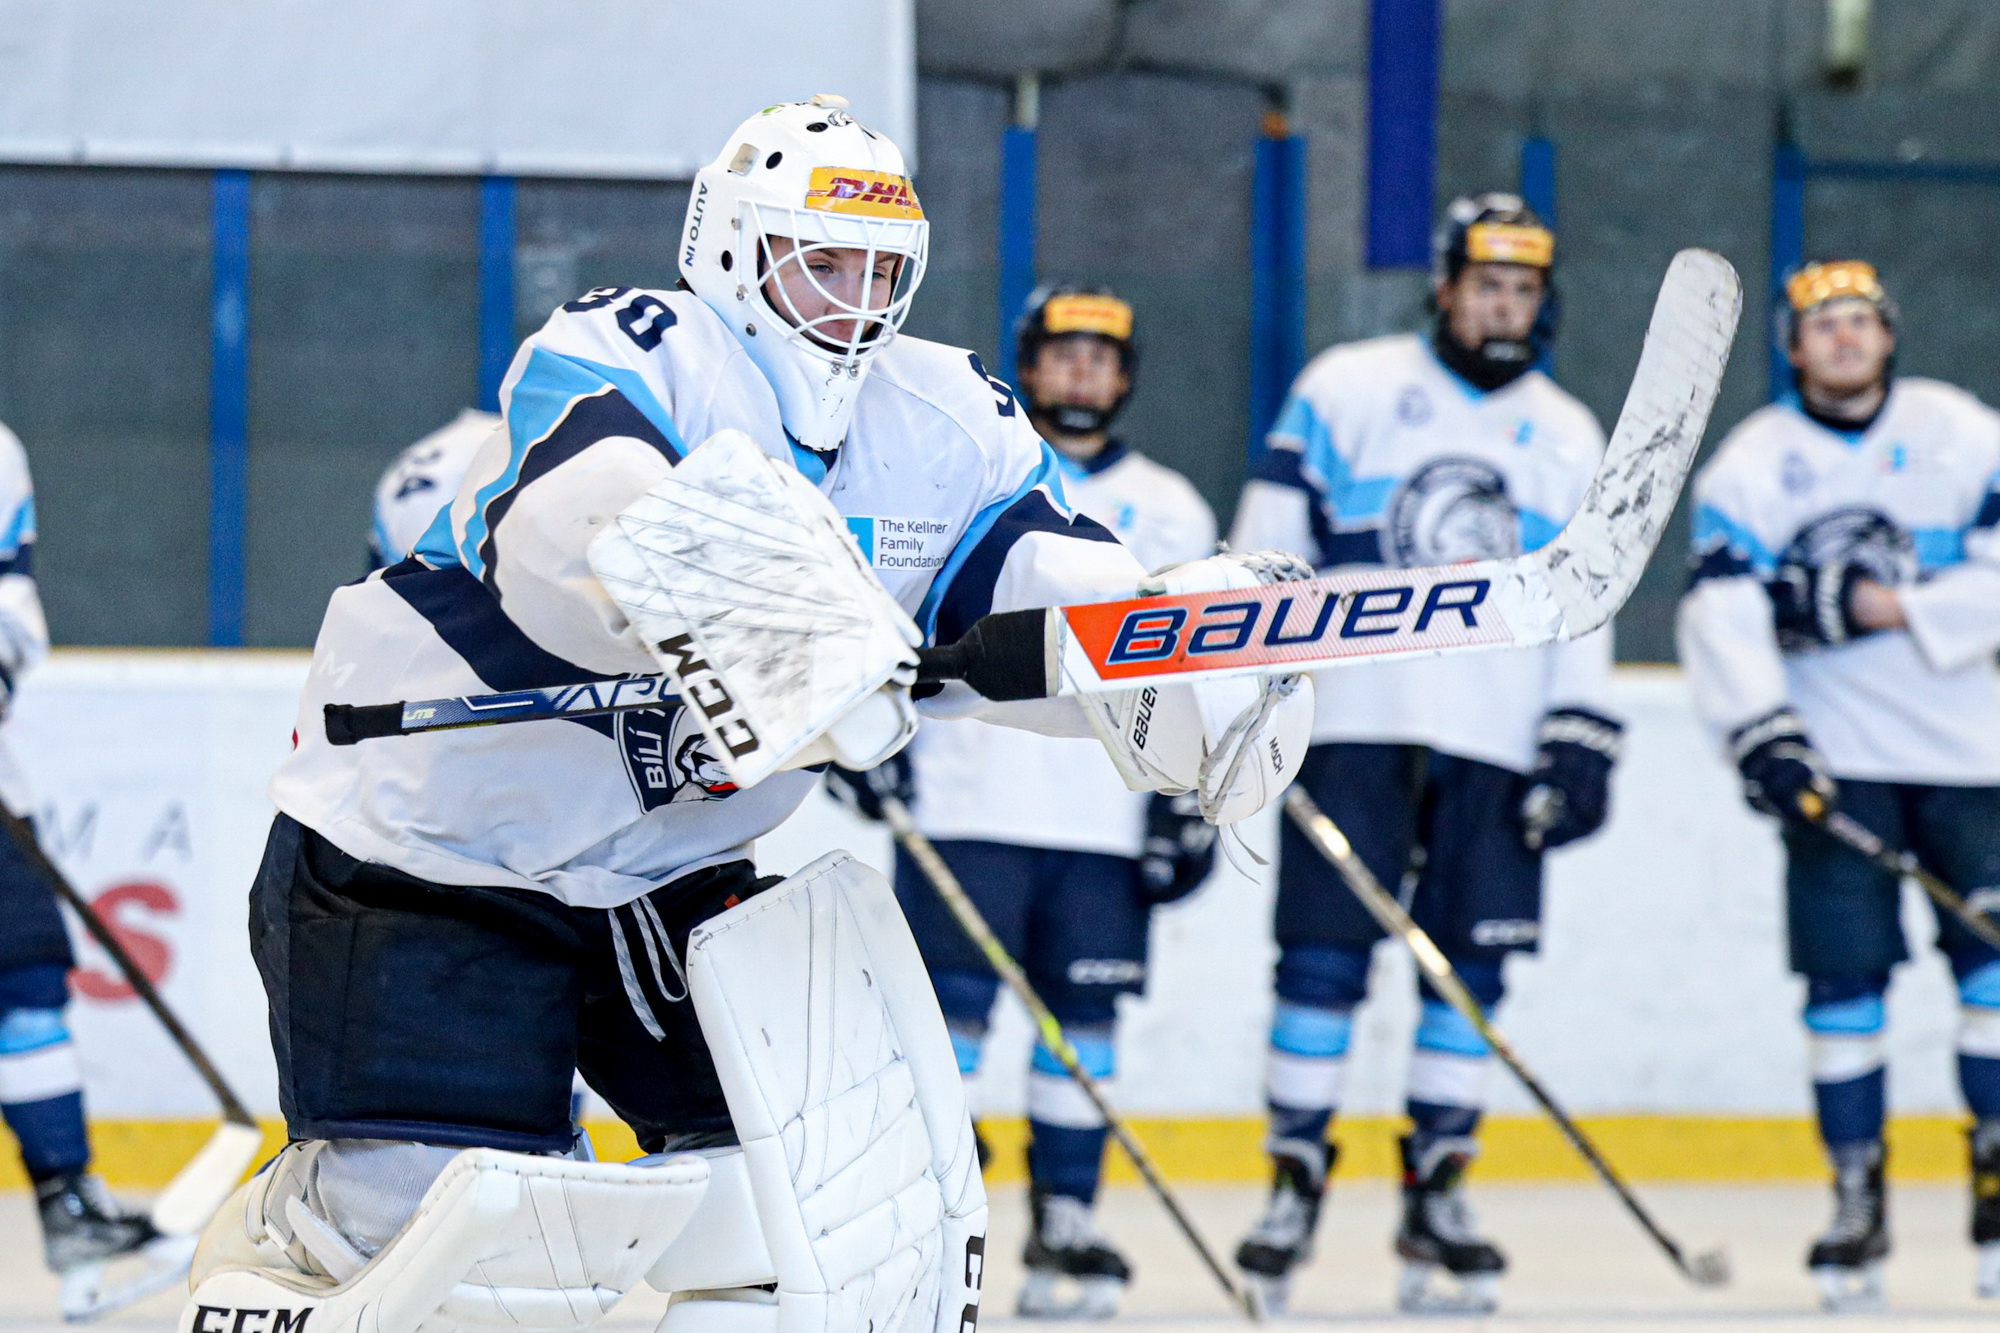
1708	1269
1567	588
192	1197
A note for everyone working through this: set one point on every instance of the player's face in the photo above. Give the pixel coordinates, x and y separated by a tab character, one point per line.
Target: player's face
1842	347
807	286
1493	301
1076	372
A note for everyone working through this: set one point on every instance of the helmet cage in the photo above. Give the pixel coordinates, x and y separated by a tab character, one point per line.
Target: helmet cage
849	332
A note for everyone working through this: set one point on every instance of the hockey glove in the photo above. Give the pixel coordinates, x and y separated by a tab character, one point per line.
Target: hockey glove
1812	593
1569	789
857	791
1780	767
1180	848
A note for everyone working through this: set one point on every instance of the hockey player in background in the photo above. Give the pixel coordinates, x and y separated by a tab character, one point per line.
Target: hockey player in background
41	1084
1059	856
1460	772
422	480
1839	634
447	924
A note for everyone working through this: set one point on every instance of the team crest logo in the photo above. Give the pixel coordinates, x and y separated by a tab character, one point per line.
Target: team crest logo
1413	406
669	759
1449	510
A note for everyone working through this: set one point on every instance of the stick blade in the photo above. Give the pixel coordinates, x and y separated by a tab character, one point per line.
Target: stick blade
1710	1268
192	1197
1595	562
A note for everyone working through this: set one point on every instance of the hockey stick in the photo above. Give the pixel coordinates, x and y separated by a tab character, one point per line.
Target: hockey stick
913	841
1566	588
192	1197
1708	1269
1844	828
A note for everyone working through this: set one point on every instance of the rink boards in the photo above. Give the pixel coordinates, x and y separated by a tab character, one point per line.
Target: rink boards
1659	1006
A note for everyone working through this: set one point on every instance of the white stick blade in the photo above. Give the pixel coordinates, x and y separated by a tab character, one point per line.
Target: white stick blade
1596	561
191	1197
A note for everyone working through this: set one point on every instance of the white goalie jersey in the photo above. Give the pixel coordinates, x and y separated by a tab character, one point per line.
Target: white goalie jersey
24	631
1382	456
1913	501
952	497
1002	784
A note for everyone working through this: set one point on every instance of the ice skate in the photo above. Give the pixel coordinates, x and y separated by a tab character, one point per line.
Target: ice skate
1986	1205
1846	1262
1282	1238
85	1233
1448	1268
1073	1272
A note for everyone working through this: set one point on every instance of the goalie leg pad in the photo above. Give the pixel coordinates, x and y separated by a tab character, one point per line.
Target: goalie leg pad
841	1079
500	1240
723	1243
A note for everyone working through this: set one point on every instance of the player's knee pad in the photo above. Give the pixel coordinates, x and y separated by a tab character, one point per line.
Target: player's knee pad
1323	976
840	1078
34	986
1979	1011
966	999
1054	1098
1844	1025
1485	978
498	1240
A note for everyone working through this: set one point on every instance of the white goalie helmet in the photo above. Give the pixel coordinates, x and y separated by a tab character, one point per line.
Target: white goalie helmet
809	174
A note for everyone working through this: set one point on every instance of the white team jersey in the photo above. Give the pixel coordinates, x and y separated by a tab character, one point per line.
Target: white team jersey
24	631
1913	498
954	499
1382	456
421	481
1002	784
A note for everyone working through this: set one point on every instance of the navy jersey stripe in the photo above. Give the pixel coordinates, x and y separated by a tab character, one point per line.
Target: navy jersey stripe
597	417
1718	562
971	593
469	620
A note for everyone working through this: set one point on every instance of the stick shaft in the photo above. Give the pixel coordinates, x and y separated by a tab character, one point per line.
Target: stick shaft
1846	829
1331	843
24	838
968	916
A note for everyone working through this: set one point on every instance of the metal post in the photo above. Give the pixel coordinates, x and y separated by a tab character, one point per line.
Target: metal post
228	406
1403	41
1538	191
1788	250
1277	271
496	286
1017	213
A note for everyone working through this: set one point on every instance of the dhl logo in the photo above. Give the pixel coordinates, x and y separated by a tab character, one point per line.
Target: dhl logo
868	194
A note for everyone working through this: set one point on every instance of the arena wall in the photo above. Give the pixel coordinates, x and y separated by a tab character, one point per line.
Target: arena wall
1659	1007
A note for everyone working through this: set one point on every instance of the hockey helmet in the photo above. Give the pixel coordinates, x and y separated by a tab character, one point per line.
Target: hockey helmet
811	174
1491	228
1826	281
1057	310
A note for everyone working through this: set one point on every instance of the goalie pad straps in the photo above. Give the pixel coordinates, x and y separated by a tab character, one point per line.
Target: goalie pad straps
500	1240
839	1075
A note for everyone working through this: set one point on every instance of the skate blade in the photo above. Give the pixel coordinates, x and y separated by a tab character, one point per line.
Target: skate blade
1850	1290
1431	1289
87	1294
1989	1269
1059	1296
1269	1296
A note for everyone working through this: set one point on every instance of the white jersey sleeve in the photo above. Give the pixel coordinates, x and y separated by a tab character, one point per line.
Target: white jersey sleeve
422	480
1728	644
24	630
1955	617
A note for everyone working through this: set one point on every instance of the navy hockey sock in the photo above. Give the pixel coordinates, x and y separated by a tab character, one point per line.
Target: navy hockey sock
1844	1022
41	1092
1065	1132
1979	1039
1307	1063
